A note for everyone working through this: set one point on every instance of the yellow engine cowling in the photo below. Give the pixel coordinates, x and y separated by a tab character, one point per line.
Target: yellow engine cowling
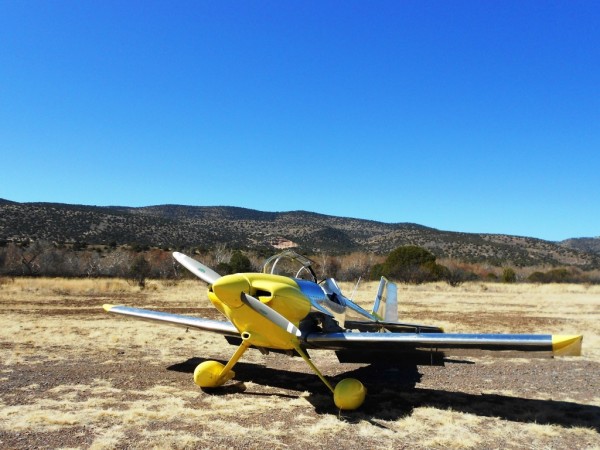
280	293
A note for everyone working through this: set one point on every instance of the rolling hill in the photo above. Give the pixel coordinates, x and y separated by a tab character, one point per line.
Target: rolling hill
176	226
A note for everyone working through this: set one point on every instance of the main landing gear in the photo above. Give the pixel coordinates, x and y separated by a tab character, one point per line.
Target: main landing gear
348	394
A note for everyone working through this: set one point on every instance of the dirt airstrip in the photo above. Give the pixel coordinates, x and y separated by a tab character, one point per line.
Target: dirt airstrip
72	376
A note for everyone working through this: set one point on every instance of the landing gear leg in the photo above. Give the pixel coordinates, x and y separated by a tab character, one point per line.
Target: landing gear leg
214	374
348	394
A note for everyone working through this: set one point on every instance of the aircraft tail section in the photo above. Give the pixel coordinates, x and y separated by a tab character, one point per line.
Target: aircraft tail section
386	301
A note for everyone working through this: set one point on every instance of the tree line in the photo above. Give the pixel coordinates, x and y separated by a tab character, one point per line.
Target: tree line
406	264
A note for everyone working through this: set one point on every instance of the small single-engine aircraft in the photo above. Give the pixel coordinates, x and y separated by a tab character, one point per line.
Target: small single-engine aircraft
294	314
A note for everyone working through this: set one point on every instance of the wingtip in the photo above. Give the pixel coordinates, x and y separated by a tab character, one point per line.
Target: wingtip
567	345
107	307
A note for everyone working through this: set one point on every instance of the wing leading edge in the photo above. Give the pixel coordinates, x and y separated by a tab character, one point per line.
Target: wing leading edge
446	342
214	326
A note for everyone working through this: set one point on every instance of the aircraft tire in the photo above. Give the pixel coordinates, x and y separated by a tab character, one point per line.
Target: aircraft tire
208	374
349	394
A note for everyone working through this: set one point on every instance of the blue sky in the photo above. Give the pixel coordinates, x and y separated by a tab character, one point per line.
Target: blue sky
475	116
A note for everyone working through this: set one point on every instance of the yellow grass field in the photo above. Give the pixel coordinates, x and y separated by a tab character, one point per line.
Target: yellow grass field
72	376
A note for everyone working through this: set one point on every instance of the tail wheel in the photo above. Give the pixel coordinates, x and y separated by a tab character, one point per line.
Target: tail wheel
349	394
210	374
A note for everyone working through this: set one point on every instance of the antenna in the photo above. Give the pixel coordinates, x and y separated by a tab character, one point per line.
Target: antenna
355	288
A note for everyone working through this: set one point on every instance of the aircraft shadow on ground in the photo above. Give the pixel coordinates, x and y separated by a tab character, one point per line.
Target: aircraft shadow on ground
393	394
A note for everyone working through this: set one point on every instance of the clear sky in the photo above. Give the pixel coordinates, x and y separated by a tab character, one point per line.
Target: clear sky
475	116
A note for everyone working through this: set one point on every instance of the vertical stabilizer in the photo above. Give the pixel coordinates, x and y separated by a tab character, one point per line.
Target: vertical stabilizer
386	301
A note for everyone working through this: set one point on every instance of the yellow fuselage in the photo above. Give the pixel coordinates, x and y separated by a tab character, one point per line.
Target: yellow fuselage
280	293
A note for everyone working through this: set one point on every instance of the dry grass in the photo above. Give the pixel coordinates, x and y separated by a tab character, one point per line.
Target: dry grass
501	308
74	377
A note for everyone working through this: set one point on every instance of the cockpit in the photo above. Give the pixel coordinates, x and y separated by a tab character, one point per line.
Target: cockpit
325	296
290	264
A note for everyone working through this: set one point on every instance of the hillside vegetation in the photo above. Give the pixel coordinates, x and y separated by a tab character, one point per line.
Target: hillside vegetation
175	226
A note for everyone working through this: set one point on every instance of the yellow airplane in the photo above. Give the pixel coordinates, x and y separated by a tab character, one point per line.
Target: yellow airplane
293	314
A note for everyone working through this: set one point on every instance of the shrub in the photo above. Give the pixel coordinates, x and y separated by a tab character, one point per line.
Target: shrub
376	272
491	276
561	275
509	275
140	270
457	276
240	263
224	268
537	277
412	264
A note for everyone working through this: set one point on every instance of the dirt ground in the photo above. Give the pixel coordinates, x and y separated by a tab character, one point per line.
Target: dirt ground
72	376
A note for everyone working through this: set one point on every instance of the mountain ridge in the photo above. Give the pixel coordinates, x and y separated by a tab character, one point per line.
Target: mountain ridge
173	225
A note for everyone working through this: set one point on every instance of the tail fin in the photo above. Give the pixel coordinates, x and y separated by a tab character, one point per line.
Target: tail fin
386	301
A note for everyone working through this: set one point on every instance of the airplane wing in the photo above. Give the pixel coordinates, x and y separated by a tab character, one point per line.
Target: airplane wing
216	326
457	344
373	346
